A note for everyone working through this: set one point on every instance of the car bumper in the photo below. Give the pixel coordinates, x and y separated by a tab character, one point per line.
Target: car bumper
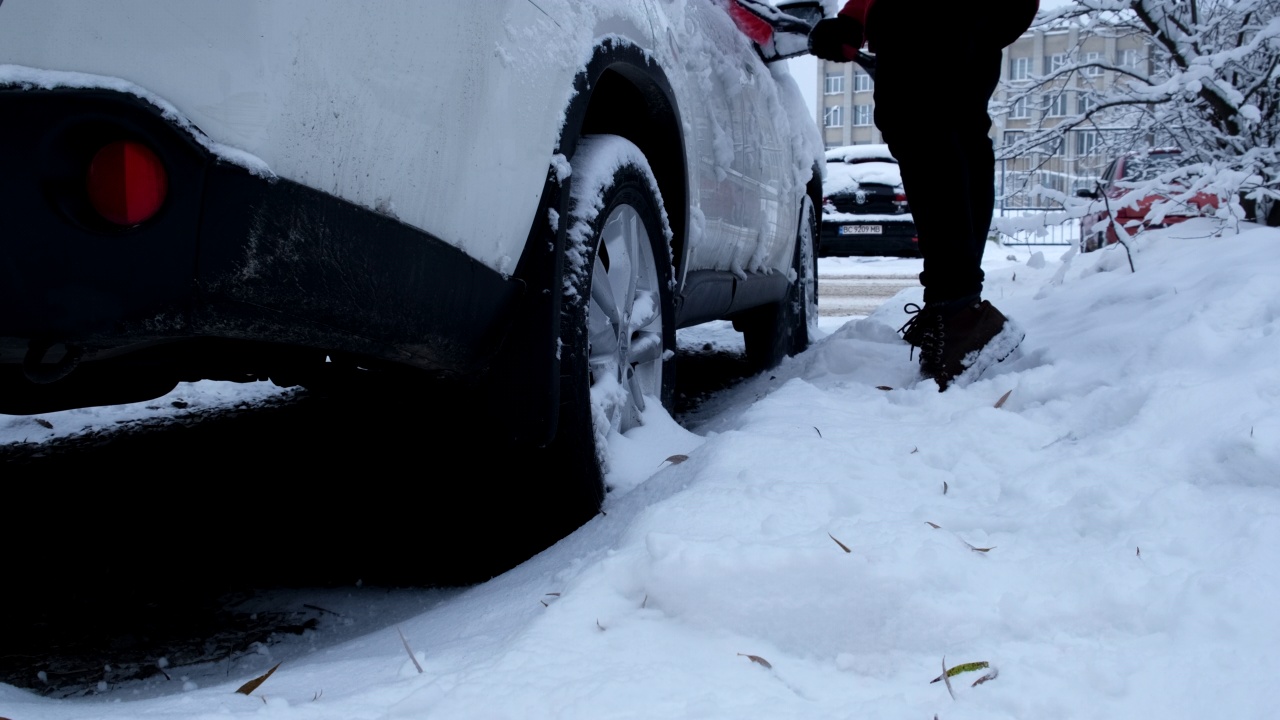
230	255
894	239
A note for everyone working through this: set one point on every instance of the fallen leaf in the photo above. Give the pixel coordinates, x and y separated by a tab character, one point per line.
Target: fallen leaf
756	659
963	668
915	450
989	676
599	626
885	388
947	680
556	594
815	429
978	549
44	423
676	459
944	487
842	545
409	650
1139	551
253	684
1000	403
935	526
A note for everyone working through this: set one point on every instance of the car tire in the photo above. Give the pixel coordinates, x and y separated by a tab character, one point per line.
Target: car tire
786	328
617	322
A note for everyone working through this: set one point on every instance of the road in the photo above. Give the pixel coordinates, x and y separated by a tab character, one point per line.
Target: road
842	293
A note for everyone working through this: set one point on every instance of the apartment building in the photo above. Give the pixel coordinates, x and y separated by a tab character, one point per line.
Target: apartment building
846	106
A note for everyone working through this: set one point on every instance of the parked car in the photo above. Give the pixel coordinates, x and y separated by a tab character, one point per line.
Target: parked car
527	198
1126	175
864	209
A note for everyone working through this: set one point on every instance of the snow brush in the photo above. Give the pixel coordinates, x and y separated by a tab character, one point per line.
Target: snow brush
781	35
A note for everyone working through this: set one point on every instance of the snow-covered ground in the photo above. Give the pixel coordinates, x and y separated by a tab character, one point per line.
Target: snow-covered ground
1097	521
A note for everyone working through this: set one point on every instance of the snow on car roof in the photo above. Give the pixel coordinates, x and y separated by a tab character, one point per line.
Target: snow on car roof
852	165
849	153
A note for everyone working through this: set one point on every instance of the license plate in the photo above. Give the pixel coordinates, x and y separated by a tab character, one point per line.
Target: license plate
859	229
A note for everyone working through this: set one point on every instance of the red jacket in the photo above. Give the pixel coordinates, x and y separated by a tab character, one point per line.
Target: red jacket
858	10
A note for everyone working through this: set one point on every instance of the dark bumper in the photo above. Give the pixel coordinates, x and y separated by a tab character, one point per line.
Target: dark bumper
895	239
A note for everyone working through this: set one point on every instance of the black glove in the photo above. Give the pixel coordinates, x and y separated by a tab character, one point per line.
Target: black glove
836	39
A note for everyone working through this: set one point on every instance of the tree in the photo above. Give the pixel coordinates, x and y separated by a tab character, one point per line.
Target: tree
1210	85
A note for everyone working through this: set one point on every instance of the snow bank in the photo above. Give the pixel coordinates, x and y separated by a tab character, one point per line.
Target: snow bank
1097	519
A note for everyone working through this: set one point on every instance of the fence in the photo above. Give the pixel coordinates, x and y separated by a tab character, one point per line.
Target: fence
1045	179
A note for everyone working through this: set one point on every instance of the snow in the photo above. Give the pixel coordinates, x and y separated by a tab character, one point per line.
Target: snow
1098	518
27	78
852	165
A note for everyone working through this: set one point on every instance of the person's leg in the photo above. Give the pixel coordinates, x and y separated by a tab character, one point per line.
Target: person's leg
934	78
936	70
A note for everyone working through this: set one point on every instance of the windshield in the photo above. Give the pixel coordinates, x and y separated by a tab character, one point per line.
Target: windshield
1149	167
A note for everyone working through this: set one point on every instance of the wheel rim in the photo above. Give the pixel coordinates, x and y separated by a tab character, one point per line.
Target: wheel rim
624	321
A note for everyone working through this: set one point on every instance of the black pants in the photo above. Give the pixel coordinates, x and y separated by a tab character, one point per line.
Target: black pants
937	66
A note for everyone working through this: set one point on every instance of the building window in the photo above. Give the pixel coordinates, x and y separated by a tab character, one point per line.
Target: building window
1085	103
1092	58
1020	68
1057	106
861	81
1129	59
1086	143
1054	63
833	117
833	84
861	115
1018	110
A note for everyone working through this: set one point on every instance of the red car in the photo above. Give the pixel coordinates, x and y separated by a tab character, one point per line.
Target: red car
1124	176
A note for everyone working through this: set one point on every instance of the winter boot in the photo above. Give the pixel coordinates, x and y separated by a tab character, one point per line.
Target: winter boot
959	340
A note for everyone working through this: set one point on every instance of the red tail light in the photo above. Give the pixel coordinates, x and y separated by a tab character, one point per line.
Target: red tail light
127	183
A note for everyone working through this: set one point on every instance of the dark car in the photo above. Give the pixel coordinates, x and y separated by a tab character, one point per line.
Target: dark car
1126	175
864	210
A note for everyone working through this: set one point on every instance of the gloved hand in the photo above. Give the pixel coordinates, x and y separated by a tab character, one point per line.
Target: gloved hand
836	39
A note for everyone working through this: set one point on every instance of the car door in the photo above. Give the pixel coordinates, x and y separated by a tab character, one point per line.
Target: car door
736	159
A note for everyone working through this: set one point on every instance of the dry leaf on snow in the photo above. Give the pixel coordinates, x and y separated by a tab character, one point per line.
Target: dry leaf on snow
756	659
253	684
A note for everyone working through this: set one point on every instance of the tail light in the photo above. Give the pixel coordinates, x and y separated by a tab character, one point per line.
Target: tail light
127	183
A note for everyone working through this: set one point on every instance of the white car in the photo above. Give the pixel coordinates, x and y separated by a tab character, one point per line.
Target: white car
531	197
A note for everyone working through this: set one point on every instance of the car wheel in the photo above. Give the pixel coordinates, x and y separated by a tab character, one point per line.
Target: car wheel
786	328
618	319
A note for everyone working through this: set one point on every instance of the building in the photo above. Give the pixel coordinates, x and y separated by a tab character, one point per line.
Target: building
845	105
845	100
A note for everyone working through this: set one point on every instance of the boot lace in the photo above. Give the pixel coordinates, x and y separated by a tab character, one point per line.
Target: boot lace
925	329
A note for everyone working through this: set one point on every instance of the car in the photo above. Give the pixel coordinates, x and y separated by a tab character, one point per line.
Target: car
864	208
526	199
1121	191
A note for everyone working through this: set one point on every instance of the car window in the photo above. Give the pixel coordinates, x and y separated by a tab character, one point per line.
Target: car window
1148	167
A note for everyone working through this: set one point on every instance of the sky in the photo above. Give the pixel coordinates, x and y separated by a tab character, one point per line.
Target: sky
1093	526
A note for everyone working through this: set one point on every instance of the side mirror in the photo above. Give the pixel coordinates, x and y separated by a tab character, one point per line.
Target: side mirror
1087	193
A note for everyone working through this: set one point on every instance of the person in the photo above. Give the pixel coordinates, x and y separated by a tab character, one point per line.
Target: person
936	67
